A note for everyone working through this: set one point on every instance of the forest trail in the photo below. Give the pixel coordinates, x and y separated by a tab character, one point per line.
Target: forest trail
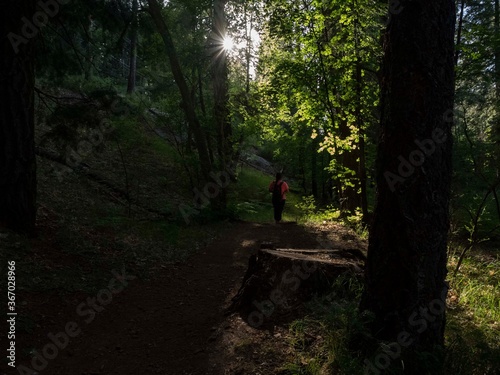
168	325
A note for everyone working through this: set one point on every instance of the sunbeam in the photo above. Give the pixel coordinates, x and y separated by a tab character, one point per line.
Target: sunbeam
227	43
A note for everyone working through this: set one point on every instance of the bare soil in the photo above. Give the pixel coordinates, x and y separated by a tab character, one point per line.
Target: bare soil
174	323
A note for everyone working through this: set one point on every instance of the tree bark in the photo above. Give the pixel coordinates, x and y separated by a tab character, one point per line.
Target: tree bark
279	281
17	145
406	267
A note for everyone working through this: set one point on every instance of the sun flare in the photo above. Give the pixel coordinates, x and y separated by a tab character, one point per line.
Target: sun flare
227	43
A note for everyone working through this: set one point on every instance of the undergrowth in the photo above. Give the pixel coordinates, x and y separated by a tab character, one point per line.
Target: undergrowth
250	199
473	319
321	341
311	212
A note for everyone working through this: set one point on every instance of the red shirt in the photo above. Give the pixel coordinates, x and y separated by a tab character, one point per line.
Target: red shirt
284	188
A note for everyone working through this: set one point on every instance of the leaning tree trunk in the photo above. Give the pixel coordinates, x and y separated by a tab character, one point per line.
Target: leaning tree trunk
187	102
17	146
406	268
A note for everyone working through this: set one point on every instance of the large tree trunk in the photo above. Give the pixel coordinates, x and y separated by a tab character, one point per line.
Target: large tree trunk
187	103
406	268
17	146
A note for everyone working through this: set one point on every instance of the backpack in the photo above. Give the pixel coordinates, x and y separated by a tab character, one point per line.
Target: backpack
277	196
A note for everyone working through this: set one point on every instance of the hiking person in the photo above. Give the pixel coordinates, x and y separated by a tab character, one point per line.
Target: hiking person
278	188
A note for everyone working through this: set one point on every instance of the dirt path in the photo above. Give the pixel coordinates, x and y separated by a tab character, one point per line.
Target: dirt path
167	326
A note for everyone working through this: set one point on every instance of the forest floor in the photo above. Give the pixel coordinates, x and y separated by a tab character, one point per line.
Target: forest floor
117	283
173	323
140	291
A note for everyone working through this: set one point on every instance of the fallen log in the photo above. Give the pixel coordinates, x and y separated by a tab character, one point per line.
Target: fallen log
279	281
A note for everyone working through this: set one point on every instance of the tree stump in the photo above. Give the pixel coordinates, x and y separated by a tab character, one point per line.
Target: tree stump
279	281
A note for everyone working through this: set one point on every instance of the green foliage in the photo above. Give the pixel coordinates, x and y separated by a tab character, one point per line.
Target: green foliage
313	97
250	199
77	83
315	90
325	337
477	128
312	367
321	341
355	221
330	213
307	205
477	286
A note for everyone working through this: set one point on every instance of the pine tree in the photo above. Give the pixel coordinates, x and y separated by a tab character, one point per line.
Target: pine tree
406	267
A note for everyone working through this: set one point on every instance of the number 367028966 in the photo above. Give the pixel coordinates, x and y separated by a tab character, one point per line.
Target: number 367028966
11	283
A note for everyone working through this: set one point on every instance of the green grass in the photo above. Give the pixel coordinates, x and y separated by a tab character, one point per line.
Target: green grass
320	341
250	199
307	211
473	319
311	367
478	287
472	331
